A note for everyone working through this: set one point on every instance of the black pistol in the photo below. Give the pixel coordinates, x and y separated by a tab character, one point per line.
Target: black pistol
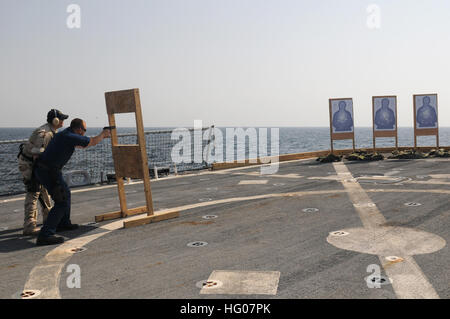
109	127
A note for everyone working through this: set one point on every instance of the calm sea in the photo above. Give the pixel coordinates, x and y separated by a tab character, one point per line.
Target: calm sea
292	139
98	160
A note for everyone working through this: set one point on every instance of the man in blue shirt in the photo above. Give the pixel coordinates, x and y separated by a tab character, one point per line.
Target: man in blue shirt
48	173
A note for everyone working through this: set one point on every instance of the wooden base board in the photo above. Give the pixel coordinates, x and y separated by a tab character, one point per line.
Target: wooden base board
151	219
116	215
268	160
306	155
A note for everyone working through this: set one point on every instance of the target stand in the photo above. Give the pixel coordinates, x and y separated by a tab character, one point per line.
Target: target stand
385	132
425	130
130	160
349	133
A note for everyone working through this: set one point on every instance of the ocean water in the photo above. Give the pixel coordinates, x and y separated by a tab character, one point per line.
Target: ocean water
292	139
98	160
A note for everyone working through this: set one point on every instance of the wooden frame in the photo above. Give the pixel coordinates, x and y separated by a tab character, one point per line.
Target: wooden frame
340	136
425	131
130	160
384	133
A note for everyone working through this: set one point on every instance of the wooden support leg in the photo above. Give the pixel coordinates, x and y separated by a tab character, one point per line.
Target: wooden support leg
122	197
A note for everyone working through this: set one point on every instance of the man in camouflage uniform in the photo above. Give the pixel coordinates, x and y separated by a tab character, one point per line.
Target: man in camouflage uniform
29	152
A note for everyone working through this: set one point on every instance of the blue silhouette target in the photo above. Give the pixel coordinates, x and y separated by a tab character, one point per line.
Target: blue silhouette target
342	119
426	111
385	113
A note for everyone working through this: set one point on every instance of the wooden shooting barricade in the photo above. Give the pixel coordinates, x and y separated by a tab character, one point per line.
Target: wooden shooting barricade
130	160
341	136
384	133
425	131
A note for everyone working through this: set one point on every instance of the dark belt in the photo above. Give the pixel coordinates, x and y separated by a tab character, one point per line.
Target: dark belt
30	159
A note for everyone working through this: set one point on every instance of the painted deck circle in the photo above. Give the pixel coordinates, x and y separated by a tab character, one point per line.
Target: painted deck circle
388	241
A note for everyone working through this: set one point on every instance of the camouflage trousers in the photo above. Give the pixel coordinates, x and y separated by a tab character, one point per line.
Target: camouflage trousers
35	193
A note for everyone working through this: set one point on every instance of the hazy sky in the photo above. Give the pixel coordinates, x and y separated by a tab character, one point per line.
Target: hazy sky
228	62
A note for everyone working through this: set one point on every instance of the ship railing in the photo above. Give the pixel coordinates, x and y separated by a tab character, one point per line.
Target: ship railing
95	165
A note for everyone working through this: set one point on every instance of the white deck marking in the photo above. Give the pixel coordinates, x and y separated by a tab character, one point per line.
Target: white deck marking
408	279
326	178
440	176
391	173
368	177
369	214
45	275
219	172
243	282
429	182
295	176
253	182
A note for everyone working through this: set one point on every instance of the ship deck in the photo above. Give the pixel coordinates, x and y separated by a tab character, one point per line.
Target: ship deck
376	230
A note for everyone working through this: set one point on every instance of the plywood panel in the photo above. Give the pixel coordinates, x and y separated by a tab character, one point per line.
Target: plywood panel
127	161
121	101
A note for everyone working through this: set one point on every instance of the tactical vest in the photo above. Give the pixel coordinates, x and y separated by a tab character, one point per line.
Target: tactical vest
38	141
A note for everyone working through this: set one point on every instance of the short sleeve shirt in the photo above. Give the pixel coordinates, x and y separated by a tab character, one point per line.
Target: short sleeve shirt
61	148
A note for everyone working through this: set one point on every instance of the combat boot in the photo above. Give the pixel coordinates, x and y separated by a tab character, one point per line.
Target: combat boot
49	240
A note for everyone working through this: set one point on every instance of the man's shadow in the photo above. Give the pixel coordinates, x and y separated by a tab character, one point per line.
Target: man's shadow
13	240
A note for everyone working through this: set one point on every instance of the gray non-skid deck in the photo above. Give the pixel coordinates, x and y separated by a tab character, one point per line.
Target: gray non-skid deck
261	243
